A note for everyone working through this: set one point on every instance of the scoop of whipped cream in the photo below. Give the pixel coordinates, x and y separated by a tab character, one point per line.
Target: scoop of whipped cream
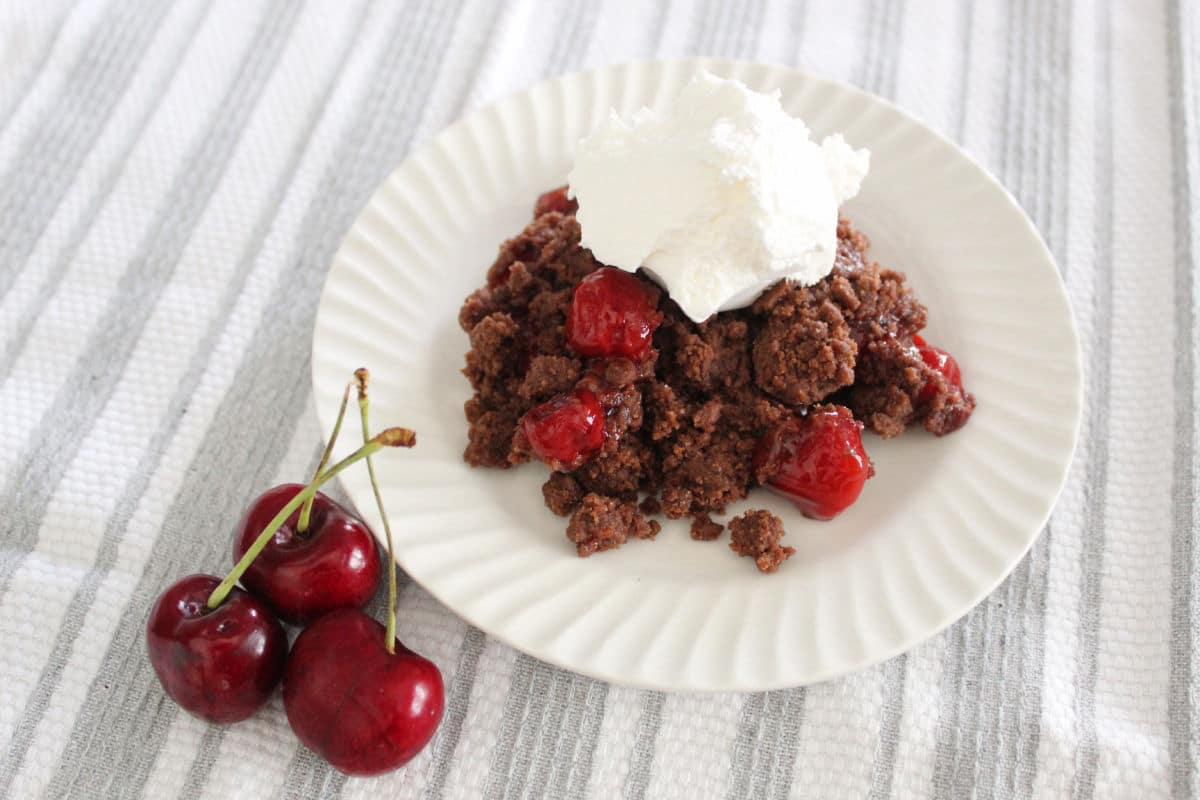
718	197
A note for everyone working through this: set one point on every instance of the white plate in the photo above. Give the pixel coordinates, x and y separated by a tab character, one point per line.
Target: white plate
941	524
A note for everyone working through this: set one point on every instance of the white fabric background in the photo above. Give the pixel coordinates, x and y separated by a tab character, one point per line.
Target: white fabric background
174	178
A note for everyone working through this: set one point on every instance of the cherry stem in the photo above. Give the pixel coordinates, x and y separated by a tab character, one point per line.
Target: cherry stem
306	511
391	437
362	376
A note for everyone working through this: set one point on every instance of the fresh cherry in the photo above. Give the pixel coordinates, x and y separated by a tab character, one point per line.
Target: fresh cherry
221	664
332	564
565	430
937	359
817	461
363	709
555	200
613	314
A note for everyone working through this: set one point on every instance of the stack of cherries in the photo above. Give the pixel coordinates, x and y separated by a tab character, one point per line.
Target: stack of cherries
353	694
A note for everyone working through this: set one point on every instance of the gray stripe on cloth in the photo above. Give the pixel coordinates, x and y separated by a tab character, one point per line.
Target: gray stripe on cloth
28	314
313	778
1184	750
516	701
202	764
547	700
644	742
763	768
789	743
560	768
742	755
493	26
268	394
1096	490
589	736
704	28
559	733
52	153
974	658
867	71
946	732
797	23
1022	735
966	19
766	755
1003	649
458	700
97	371
746	32
884	763
26	82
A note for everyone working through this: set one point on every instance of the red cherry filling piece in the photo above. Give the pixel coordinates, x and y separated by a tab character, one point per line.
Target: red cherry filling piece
937	359
817	461
555	200
613	314
566	430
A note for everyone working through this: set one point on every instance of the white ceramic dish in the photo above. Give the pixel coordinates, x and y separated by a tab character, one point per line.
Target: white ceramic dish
941	524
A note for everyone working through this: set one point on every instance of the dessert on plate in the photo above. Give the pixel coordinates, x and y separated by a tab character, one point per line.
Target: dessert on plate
692	319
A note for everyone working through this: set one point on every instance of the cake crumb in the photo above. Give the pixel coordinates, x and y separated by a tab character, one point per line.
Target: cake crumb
562	493
756	534
704	529
650	506
605	523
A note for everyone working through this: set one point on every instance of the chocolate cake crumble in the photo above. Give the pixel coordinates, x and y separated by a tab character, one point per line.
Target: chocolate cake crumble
674	416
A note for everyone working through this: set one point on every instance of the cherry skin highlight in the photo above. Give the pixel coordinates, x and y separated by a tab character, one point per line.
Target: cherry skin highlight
566	430
364	710
333	564
613	314
937	359
817	461
219	664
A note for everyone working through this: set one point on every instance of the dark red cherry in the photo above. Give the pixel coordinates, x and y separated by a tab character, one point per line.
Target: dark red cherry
333	564
937	359
566	430
817	461
220	664
613	314
364	710
555	200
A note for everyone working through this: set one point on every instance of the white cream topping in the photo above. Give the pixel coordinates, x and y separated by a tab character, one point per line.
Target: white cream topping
718	198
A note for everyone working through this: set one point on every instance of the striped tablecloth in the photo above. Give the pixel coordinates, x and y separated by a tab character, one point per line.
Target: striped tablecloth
175	179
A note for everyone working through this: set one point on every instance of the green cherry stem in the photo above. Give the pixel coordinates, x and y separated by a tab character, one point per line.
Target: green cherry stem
306	511
362	376
391	437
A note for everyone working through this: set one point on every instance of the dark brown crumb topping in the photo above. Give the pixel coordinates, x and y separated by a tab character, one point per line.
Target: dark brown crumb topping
682	423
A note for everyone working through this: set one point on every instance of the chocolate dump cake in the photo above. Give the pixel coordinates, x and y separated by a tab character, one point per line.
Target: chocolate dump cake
597	373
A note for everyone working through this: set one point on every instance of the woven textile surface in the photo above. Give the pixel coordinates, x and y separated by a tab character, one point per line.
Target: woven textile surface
174	180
